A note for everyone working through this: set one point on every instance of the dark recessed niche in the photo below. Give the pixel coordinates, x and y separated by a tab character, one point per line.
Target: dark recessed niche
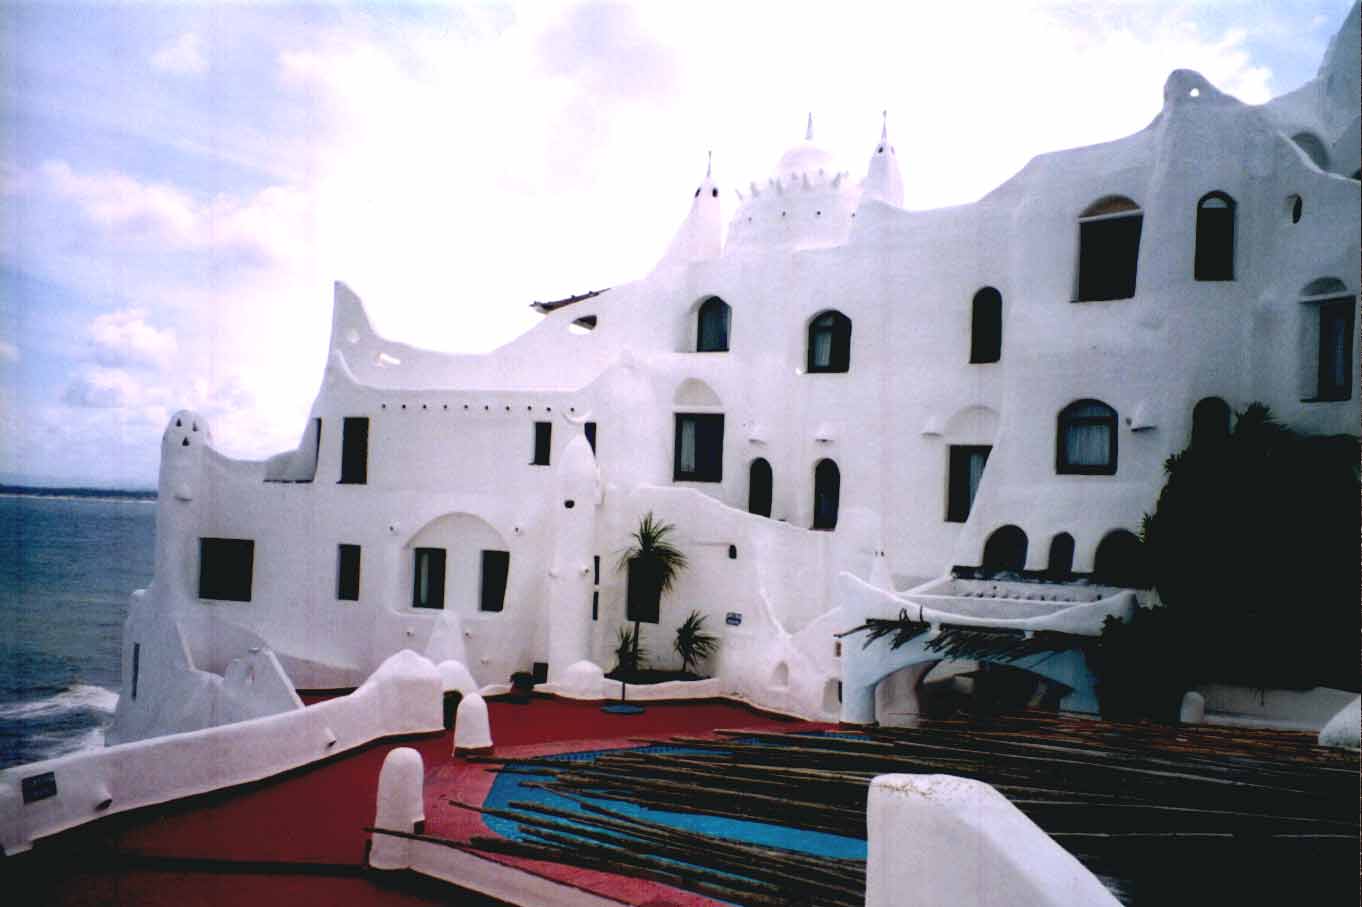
732	552
818	214
548	409
404	406
714	192
486	408
446	406
697	191
184	443
508	407
465	406
569	503
382	406
423	406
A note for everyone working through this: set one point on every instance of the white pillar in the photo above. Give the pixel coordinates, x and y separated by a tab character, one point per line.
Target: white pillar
401	805
577	484
472	728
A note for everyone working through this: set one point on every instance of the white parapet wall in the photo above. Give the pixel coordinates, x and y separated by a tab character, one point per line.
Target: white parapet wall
938	839
404	696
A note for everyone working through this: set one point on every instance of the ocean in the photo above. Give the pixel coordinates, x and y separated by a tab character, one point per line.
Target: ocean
67	569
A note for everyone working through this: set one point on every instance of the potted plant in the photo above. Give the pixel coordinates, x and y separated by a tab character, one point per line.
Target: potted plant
652	563
692	643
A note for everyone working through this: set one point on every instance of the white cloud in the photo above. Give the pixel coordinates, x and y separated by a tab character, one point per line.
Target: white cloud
125	338
8	352
105	388
183	56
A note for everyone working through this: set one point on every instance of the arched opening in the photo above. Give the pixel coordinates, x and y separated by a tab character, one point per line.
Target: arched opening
1060	566
1210	421
986	327
827	491
1120	561
1005	551
714	320
1108	249
829	343
1086	439
1313	148
1214	237
759	482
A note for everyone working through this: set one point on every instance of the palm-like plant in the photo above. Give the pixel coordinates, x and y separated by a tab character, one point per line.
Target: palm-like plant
692	643
652	552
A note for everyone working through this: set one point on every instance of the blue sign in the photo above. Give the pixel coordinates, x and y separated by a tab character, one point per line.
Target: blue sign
734	618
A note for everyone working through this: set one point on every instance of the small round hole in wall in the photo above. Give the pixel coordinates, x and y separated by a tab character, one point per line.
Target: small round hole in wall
1195	93
569	503
714	192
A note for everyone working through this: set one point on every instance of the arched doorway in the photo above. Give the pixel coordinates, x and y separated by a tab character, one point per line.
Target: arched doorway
759	485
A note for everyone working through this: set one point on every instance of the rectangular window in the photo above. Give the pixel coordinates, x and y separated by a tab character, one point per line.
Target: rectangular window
543	437
495	566
591	435
1108	253
595	604
225	569
643	594
428	584
966	469
347	573
136	666
699	448
355	450
595	583
1336	350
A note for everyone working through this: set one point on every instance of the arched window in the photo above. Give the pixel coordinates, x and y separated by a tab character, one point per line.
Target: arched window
827	490
1210	421
759	487
1086	439
830	342
1313	148
986	327
1334	324
1214	237
1005	551
1061	565
1120	561
711	335
1108	249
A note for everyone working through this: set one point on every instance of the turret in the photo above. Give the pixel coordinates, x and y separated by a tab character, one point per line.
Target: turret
883	182
577	486
698	238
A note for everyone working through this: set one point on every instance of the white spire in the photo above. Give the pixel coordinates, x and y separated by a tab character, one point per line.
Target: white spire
883	182
808	130
698	237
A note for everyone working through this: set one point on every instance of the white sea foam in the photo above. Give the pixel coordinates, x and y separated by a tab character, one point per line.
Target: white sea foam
75	698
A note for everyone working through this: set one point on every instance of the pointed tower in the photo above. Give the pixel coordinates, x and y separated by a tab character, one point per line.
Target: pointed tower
883	182
698	238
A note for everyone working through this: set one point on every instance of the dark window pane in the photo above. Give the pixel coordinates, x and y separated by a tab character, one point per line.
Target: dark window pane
543	438
1061	563
347	573
1215	238
354	451
966	469
591	435
1108	252
1005	551
495	565
428	583
827	492
225	569
986	327
1336	350
136	666
759	487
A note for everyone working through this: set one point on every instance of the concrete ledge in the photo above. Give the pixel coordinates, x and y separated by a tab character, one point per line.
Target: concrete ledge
938	839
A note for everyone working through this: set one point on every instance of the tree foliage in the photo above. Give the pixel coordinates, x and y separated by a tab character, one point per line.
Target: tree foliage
692	643
1253	548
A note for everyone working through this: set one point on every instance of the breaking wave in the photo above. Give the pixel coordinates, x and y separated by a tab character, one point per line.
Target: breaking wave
80	697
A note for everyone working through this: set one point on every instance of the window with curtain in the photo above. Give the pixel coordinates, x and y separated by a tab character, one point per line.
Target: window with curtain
699	450
829	343
712	331
428	581
966	469
1087	439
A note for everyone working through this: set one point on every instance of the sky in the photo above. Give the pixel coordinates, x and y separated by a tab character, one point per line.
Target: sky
181	184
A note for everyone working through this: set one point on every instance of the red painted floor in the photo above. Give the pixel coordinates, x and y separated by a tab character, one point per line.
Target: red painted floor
298	838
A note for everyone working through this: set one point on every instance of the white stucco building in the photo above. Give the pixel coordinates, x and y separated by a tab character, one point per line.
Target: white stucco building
841	387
